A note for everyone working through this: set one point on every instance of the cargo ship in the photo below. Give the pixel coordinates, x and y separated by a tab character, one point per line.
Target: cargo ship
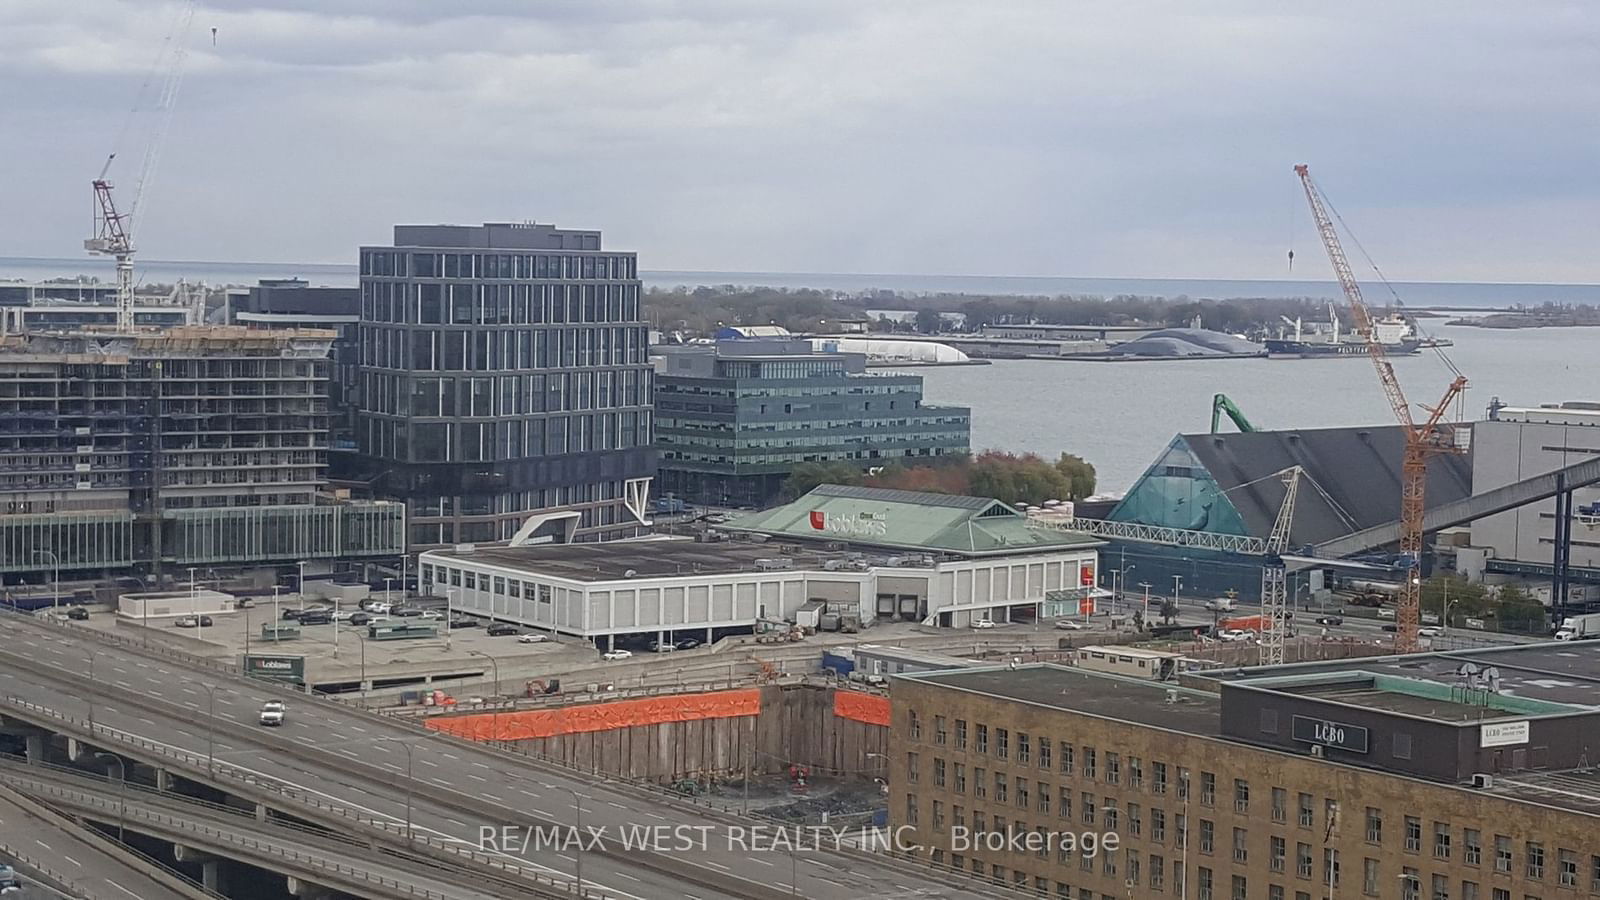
1396	333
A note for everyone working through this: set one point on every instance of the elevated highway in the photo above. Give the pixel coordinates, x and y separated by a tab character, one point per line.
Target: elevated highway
306	856
331	763
47	847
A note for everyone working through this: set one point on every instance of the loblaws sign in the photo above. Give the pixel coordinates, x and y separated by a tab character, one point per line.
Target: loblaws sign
279	668
860	525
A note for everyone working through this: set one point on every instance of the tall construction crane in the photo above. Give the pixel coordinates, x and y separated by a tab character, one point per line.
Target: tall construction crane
113	230
1424	439
1274	594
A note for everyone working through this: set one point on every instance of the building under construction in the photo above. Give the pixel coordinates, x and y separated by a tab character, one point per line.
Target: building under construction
188	446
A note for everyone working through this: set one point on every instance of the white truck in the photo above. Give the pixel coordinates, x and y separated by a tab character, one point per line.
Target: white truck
1579	628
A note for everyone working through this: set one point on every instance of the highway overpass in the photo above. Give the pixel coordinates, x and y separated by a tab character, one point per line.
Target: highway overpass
50	848
331	764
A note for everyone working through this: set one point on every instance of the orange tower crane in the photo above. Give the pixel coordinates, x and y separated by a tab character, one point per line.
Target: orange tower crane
1424	439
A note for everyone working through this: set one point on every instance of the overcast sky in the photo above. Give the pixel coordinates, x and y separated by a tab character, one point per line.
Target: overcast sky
1133	138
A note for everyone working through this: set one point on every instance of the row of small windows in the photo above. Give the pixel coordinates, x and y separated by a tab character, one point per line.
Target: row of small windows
498	304
404	264
504	395
495	350
505	440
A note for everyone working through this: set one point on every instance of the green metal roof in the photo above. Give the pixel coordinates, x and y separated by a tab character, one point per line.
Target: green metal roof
936	523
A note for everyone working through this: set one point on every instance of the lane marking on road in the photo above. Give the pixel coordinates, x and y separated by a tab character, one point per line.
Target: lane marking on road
478	777
616	804
450	756
480	765
43	844
716	864
428	762
71	860
625	875
382	748
760	860
122	889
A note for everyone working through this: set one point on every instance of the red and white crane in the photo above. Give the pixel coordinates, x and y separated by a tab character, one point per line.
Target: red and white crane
1425	439
113	229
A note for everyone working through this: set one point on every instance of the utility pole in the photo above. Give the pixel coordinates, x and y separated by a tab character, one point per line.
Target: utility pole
1146	585
1177	582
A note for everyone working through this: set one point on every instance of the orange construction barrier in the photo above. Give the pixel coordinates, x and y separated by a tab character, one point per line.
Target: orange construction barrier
540	723
869	708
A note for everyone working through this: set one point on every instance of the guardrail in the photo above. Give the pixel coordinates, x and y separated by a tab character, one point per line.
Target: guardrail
113	848
60	883
219	837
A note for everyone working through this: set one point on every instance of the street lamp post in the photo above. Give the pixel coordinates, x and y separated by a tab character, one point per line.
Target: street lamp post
1177	582
1122	585
388	600
276	618
450	613
89	695
211	729
494	718
300	586
122	790
363	642
409	760
1146	586
55	578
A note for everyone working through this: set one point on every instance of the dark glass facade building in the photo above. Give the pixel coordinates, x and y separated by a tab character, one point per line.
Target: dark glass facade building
735	418
505	385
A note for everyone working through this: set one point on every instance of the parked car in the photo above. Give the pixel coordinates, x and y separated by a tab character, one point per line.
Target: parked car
432	614
662	647
501	629
1390	626
205	622
1235	634
982	623
360	618
617	654
272	712
463	622
406	612
78	612
289	615
532	639
343	615
316	617
376	606
687	644
1068	625
10	881
187	622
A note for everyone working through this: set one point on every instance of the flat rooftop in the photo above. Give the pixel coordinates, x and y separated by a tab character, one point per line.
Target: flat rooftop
1564	672
650	558
1577	790
1142	702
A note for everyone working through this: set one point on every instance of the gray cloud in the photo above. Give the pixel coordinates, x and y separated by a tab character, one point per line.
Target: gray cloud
1017	137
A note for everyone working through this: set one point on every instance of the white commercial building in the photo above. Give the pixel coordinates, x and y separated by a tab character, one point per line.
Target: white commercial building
872	554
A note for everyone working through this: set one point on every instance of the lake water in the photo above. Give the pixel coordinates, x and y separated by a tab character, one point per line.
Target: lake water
1411	293
1120	415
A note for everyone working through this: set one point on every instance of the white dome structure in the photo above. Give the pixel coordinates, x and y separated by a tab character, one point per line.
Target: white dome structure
887	350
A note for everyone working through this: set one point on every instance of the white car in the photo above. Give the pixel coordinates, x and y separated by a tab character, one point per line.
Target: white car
272	712
432	614
1429	631
379	607
531	639
343	615
1068	625
982	623
1235	634
617	654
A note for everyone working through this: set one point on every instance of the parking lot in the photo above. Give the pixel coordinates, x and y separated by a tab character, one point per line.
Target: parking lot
339	652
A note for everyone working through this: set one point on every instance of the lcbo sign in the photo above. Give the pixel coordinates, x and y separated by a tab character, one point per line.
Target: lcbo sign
1330	734
861	525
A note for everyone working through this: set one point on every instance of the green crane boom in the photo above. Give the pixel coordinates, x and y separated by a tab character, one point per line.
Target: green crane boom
1221	404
